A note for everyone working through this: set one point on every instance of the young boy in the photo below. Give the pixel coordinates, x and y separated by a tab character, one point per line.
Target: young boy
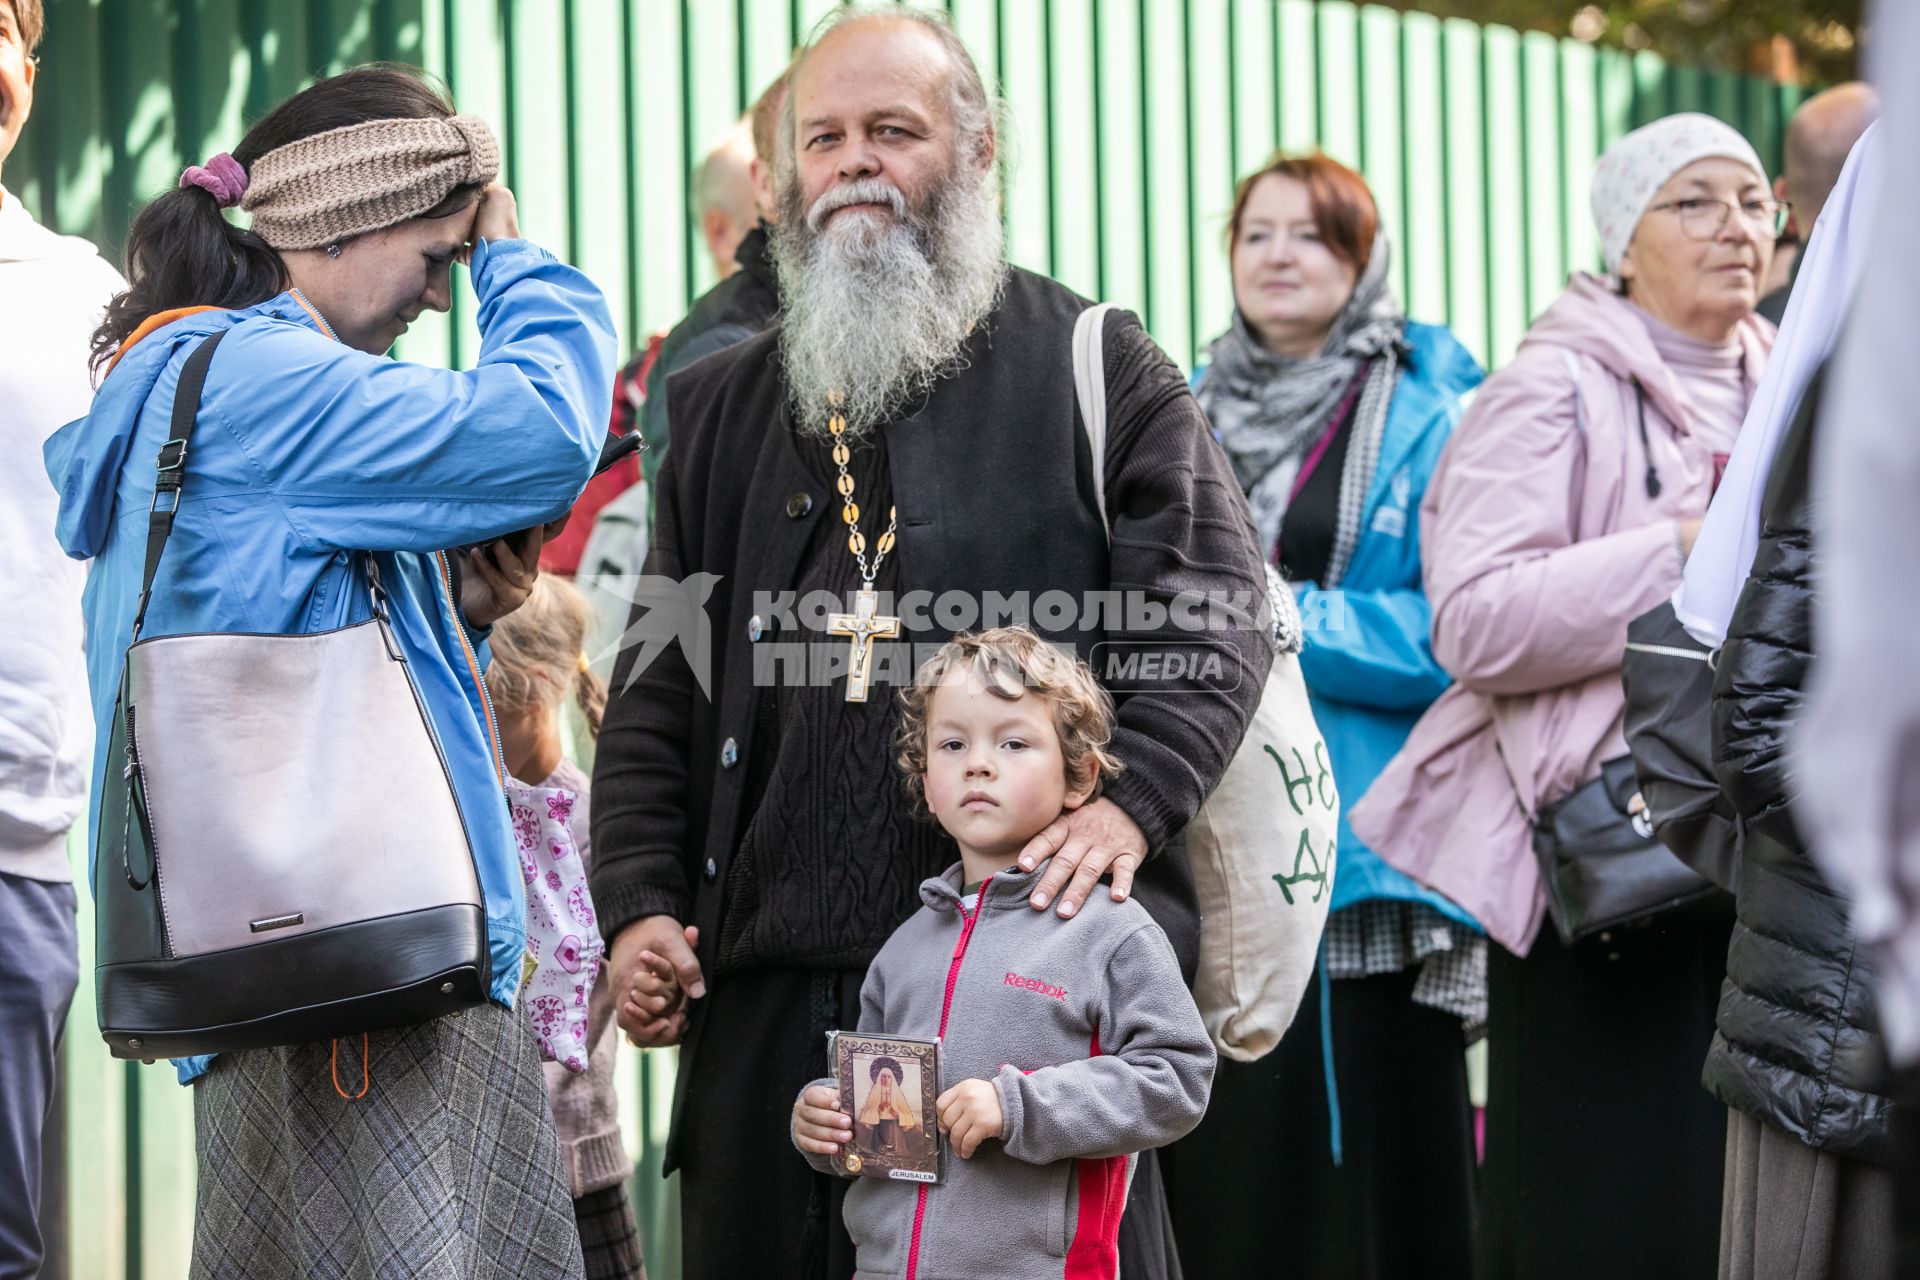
1069	1045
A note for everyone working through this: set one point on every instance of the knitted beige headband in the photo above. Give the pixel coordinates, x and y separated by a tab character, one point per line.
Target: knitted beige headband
364	177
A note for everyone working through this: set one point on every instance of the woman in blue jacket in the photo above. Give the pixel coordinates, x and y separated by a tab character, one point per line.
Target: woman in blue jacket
1356	1131
312	446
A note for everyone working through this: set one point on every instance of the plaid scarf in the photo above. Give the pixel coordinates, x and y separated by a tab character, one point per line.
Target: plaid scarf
1269	410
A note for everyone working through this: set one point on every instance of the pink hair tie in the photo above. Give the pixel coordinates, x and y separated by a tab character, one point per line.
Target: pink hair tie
221	177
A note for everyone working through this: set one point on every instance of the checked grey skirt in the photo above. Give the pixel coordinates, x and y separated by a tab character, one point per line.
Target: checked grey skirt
448	1168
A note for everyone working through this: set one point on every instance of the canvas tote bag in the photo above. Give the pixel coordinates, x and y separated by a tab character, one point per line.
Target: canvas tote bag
1262	845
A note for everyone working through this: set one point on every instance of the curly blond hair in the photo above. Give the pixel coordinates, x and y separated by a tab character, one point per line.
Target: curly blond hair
1009	662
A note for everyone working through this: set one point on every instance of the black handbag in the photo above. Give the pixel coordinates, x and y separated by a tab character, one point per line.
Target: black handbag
281	858
1603	868
1669	684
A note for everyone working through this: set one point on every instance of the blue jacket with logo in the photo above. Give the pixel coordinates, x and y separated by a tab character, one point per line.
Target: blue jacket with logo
1368	657
305	452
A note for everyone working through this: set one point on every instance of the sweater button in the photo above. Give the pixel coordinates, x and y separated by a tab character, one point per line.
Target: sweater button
713	870
798	505
729	754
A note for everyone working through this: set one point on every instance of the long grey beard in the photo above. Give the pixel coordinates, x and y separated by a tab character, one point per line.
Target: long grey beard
878	312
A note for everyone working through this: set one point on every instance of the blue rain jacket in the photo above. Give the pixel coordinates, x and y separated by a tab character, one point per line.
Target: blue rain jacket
1368	658
306	452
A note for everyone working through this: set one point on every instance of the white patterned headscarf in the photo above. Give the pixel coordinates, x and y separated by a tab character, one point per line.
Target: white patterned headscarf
1634	168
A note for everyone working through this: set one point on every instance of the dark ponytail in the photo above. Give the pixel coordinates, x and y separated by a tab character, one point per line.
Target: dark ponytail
182	251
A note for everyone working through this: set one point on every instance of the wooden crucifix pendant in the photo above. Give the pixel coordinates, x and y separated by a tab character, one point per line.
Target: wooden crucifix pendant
863	626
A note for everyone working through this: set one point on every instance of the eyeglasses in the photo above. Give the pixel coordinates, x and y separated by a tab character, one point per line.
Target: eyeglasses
1702	219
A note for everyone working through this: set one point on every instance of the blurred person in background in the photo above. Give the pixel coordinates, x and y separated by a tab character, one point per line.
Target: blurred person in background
1797	1057
53	291
1819	137
747	299
724	199
1333	408
1565	506
1856	759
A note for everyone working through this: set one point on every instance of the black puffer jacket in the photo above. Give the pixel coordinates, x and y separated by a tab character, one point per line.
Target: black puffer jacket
1798	1043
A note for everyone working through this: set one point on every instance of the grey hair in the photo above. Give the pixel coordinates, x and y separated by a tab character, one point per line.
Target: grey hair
977	110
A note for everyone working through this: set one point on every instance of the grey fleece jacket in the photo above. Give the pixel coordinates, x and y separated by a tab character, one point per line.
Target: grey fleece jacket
1096	1050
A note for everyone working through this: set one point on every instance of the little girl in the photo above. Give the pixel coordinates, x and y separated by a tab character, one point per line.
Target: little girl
538	662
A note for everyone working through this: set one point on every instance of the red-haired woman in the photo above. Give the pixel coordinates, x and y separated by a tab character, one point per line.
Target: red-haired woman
1353	1139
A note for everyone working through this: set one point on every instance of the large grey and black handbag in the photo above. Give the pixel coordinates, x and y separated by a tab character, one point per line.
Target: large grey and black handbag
280	856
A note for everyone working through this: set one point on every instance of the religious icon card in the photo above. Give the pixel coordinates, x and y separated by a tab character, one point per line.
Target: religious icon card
888	1085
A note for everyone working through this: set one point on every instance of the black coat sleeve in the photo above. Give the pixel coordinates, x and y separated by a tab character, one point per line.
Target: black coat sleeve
1762	667
640	784
1180	528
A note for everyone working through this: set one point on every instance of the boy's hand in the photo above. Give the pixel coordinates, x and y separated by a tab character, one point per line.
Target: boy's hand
819	1126
970	1114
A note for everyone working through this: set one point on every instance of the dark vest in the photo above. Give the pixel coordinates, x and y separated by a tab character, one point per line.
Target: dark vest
993	480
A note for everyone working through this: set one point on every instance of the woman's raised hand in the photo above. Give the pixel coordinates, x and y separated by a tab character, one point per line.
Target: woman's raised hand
498	217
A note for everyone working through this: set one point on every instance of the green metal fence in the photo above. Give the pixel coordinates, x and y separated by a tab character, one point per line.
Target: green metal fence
1130	120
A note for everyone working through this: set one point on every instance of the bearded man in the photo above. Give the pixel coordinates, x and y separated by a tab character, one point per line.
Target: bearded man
908	430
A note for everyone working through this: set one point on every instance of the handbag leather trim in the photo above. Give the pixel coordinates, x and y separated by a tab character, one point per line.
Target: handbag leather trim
287	990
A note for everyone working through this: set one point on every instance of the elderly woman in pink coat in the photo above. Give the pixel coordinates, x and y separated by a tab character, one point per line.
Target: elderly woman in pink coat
1565	506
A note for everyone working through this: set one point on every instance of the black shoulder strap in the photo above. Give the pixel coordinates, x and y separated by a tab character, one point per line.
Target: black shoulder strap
172	465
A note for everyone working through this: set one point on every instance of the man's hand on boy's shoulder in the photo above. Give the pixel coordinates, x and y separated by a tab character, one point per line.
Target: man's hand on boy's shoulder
819	1125
1085	843
970	1114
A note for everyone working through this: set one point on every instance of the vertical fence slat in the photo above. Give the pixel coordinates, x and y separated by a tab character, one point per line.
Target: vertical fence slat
69	136
1423	113
1761	117
769	42
1074	230
1687	89
1120	108
1337	56
1382	148
1213	172
1466	190
711	97
1722	97
537	148
1614	97
1296	75
661	164
1023	37
96	1118
166	1172
1253	83
1508	223
1165	139
1652	89
596	133
1540	118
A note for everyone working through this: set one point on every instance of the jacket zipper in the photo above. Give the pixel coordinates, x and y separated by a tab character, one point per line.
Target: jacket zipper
473	666
946	1006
